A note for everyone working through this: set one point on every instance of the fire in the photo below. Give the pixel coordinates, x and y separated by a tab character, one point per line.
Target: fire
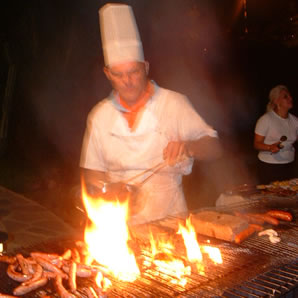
108	235
103	282
192	246
163	259
194	252
214	254
190	240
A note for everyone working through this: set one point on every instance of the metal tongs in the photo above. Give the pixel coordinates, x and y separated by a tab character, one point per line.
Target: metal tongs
133	187
124	189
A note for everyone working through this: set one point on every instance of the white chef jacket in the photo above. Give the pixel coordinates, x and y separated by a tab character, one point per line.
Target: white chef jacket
111	146
273	127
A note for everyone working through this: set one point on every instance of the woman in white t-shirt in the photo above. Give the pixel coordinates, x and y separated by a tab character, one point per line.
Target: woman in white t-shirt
275	133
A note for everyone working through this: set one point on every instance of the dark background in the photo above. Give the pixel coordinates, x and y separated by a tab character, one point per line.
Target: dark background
207	49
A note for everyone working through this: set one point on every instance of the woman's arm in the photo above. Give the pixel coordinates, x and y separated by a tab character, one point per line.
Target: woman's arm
261	146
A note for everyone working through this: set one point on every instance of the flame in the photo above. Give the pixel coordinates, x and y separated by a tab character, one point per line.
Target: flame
107	236
163	259
103	282
193	250
214	254
191	243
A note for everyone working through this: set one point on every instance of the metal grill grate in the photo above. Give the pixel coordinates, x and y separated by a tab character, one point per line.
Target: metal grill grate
256	268
280	282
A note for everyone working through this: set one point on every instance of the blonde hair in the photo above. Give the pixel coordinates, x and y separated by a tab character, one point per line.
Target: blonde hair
274	95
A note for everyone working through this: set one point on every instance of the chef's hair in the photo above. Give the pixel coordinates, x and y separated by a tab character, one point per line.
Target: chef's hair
273	95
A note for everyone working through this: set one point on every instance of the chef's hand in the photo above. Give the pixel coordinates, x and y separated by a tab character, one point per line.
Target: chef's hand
175	152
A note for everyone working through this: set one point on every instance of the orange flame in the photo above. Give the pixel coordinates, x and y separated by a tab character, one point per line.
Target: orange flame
194	252
167	265
214	254
190	240
108	235
107	238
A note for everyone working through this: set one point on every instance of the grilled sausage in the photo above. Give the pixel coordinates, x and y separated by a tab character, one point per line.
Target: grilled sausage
279	214
266	218
17	276
25	288
50	267
7	259
52	258
250	218
75	255
66	255
81	271
72	276
23	264
37	273
62	292
44	255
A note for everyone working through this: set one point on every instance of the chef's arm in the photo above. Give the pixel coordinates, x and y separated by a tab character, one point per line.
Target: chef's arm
261	146
93	177
205	148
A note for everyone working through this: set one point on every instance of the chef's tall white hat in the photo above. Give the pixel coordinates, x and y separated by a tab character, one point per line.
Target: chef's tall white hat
119	34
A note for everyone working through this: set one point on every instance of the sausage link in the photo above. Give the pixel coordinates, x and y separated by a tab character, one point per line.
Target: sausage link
81	271
23	264
50	267
72	276
25	288
279	214
250	218
7	259
37	273
62	292
17	276
266	218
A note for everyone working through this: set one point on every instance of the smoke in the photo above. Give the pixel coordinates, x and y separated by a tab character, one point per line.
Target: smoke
187	45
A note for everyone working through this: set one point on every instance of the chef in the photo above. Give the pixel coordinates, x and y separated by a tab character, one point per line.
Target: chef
141	125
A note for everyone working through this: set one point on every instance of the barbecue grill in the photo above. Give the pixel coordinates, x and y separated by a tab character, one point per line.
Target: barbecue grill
255	268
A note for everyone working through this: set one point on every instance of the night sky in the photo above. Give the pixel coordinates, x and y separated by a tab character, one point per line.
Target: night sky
198	48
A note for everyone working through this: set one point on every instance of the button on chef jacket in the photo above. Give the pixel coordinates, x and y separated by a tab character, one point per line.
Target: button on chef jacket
110	146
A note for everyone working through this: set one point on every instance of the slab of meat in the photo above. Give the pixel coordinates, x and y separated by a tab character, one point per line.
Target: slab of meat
218	225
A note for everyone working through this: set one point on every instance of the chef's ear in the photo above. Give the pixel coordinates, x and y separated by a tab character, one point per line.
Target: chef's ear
146	67
107	72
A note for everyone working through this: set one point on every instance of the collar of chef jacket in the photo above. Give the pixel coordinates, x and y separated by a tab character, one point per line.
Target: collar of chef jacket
148	122
114	97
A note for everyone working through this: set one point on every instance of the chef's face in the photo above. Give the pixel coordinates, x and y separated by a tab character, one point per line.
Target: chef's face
285	100
129	79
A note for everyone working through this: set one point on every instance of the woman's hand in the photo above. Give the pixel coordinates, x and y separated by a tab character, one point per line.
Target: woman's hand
261	146
274	148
